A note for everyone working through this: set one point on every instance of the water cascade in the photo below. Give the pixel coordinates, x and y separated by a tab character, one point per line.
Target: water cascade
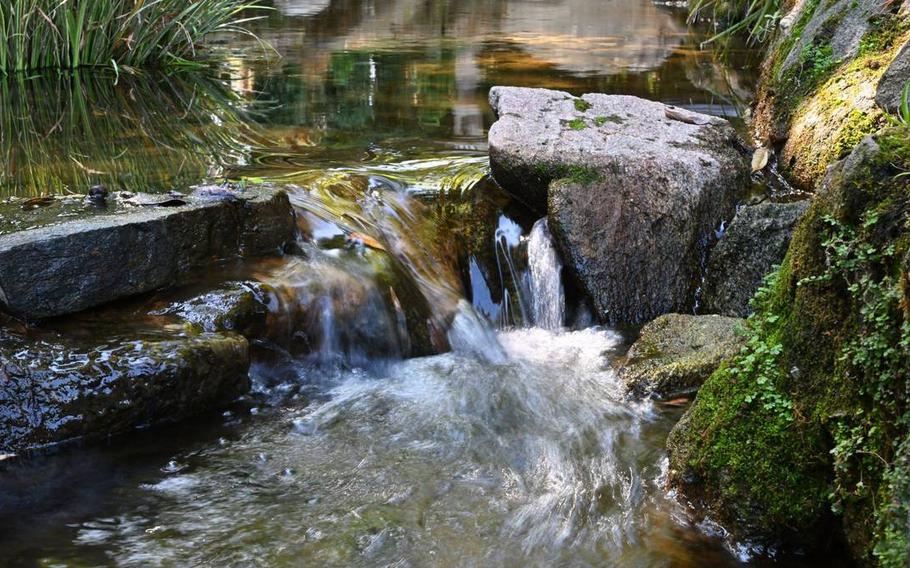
548	299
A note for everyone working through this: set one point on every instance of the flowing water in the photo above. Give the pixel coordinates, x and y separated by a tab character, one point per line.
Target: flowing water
518	447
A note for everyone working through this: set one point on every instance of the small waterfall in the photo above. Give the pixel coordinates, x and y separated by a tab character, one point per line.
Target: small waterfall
548	299
470	334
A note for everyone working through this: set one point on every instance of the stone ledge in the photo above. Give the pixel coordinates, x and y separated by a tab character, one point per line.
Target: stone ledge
79	264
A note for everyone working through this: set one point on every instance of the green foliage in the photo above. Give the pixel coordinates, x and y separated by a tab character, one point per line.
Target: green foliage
759	360
876	358
68	34
902	117
816	59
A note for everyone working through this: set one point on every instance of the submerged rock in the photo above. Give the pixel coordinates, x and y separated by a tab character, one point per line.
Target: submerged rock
676	353
633	189
752	245
242	307
78	264
54	389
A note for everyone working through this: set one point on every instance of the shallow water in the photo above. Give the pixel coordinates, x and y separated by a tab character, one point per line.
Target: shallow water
519	448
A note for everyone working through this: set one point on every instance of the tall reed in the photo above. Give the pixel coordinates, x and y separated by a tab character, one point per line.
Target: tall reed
67	34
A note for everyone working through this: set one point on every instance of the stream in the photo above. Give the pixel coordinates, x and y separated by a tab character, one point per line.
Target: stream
517	448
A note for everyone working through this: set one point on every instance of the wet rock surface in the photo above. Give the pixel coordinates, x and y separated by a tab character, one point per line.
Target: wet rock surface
74	265
751	246
53	389
242	307
633	189
676	353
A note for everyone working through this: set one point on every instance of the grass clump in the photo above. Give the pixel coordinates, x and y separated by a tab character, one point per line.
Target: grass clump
68	34
757	18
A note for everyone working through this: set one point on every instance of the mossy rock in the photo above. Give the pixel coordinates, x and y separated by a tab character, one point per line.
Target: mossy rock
675	353
794	437
817	95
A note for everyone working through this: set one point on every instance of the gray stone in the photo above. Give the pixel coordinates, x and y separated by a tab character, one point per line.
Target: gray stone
891	85
756	241
74	265
632	187
675	353
54	389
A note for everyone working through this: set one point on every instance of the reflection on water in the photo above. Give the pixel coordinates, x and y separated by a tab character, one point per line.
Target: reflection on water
65	133
376	81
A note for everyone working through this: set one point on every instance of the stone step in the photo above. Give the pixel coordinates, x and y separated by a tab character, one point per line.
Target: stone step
75	265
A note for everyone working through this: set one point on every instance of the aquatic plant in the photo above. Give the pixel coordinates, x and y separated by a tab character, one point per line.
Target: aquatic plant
68	34
758	18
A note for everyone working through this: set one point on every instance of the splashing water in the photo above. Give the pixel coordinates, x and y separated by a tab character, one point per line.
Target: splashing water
548	299
440	461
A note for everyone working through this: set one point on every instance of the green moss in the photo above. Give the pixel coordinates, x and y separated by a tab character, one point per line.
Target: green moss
886	31
582	105
858	125
582	175
577	124
601	120
744	424
816	62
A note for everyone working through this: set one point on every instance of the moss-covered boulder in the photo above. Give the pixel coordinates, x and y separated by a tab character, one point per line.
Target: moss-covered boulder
806	428
820	81
675	353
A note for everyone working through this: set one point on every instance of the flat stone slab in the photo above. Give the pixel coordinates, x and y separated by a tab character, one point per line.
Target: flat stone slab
75	265
633	190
